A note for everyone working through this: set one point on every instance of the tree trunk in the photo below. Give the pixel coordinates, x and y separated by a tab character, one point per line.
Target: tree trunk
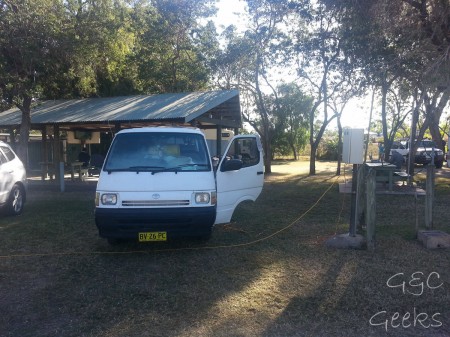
312	160
267	156
339	148
265	139
387	146
294	150
436	134
412	137
24	130
312	155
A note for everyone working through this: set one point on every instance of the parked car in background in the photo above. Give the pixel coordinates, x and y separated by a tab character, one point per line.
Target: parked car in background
425	152
13	181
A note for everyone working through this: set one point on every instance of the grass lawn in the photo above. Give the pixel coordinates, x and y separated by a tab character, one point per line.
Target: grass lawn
267	273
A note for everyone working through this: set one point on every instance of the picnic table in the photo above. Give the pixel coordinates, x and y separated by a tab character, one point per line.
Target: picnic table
77	166
387	173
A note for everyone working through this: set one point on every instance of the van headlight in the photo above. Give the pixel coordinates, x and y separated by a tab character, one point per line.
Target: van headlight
109	199
202	198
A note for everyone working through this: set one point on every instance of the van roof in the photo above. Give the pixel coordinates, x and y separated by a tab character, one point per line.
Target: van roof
162	129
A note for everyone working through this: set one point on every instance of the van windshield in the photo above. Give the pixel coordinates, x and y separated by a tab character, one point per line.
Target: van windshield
158	152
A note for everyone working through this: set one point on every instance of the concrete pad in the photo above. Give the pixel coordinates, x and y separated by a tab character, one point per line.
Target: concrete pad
433	239
345	241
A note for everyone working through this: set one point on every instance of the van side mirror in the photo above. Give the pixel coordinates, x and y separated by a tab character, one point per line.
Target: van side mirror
231	165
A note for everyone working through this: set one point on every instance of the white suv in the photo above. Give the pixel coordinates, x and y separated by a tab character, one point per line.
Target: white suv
13	180
424	152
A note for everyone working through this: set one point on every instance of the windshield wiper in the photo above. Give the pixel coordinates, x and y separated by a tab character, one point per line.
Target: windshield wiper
136	169
153	169
178	168
145	168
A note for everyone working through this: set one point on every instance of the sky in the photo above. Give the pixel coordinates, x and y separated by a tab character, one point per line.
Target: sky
356	114
228	13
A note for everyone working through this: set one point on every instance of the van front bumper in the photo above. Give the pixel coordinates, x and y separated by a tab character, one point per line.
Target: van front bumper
114	223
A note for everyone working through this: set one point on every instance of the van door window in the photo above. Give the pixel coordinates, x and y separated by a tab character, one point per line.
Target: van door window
245	149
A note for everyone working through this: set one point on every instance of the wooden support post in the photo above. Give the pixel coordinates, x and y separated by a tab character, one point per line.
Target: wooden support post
360	197
371	208
62	187
56	151
352	230
429	196
44	153
416	199
117	127
219	141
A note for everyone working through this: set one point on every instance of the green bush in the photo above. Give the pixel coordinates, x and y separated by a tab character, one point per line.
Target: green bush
328	149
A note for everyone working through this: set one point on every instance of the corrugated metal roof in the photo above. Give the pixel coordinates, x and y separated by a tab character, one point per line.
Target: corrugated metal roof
184	107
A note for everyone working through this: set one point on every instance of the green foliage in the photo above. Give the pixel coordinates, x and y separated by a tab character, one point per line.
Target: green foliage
170	44
291	114
328	148
402	48
29	36
61	49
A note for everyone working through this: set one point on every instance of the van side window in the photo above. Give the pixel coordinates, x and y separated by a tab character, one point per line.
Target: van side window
245	149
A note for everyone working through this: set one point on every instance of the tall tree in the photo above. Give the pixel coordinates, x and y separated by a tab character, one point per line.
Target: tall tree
246	61
99	39
169	56
404	40
81	48
292	116
30	35
319	55
338	103
57	49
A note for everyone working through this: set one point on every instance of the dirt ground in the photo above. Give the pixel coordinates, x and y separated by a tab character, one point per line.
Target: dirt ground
285	168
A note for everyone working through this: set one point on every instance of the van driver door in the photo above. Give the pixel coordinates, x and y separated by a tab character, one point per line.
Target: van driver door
239	176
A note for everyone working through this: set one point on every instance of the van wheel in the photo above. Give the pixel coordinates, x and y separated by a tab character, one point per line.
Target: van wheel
16	200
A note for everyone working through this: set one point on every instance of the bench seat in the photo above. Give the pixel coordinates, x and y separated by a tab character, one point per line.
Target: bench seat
397	176
401	176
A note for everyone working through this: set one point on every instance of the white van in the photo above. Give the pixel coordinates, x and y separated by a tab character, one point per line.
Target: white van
159	183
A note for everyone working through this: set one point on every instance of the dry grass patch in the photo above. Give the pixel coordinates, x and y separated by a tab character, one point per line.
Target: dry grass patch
243	282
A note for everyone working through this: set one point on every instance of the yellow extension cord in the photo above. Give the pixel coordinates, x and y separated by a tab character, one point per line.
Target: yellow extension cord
187	248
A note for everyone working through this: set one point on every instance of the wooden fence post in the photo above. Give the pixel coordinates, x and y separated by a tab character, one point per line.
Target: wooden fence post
352	230
371	208
429	196
360	197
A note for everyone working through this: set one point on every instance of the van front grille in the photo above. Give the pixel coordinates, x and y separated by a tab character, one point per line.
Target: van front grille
149	203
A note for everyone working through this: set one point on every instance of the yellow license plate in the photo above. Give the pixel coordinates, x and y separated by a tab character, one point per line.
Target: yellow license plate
152	236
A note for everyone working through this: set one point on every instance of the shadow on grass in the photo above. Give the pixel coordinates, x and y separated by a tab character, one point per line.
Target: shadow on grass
286	285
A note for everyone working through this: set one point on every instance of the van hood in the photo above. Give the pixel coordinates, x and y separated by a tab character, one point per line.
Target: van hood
161	181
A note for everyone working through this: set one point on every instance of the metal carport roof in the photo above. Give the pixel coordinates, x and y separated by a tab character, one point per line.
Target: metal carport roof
204	109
